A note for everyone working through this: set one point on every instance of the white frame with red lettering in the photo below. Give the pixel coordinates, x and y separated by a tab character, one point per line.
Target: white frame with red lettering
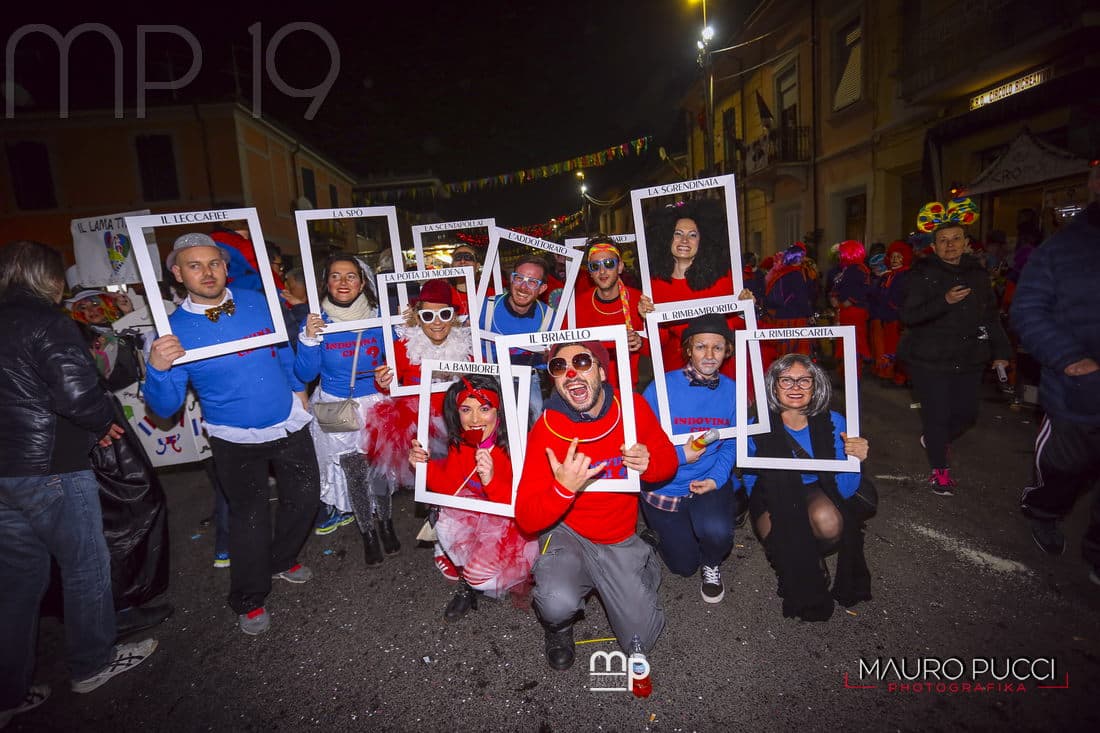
490	225
198	221
672	313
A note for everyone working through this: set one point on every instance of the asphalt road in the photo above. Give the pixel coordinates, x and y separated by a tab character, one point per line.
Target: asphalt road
954	578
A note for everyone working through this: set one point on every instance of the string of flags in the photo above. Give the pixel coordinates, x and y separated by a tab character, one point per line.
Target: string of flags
637	146
557	225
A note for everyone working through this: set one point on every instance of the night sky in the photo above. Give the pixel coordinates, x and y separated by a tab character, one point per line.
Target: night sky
460	90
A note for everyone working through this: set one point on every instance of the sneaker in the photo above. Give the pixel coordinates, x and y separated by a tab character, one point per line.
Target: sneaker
450	572
255	622
35	696
221	559
127	656
942	483
711	588
295	574
1048	536
345	519
332	522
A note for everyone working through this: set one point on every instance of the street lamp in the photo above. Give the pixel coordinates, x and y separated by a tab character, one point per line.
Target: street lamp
707	65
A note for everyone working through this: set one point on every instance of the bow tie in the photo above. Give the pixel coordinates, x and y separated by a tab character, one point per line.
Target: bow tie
228	308
709	384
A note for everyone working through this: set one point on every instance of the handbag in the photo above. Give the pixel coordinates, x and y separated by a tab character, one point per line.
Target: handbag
864	502
342	416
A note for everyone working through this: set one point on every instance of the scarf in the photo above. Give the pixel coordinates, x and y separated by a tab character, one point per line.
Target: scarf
419	347
695	379
357	310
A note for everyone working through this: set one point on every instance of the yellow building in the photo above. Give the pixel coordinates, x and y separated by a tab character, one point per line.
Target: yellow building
176	158
845	117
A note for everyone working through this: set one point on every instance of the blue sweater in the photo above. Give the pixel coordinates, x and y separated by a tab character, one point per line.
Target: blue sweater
333	357
846	482
249	389
695	409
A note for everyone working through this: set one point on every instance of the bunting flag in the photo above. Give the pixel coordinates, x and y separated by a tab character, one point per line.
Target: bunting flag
555	227
590	160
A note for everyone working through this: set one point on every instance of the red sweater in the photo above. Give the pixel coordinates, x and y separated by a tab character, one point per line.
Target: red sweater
666	291
604	518
445	475
593	312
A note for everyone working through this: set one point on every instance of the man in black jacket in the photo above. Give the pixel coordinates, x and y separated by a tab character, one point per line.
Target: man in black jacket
53	411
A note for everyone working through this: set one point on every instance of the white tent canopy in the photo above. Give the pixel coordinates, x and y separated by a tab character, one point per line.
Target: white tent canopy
1028	160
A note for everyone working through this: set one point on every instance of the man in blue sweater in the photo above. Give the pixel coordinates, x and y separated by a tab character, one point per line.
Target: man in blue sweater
693	513
254	412
1055	315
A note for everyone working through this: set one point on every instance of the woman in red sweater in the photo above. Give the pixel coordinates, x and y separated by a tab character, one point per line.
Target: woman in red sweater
485	553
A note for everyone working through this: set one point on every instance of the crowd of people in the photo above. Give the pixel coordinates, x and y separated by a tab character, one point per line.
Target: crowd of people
317	417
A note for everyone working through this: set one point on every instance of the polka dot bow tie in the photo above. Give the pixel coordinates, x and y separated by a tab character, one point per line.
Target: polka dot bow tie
228	308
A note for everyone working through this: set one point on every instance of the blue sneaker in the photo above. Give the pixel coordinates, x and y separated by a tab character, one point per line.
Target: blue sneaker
221	559
330	523
346	519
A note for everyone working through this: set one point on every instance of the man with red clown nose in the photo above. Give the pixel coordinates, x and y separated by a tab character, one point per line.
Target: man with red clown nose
588	540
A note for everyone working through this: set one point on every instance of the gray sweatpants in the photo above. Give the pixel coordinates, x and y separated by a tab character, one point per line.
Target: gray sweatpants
626	576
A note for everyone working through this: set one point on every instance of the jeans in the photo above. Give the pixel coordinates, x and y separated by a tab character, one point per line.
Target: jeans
700	532
255	551
56	515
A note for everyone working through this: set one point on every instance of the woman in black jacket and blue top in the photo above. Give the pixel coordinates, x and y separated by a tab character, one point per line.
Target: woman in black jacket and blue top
953	330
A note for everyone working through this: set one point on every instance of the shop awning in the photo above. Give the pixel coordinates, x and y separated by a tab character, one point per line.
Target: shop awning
1028	160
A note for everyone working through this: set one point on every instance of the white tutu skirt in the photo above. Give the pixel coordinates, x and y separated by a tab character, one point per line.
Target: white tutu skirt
329	447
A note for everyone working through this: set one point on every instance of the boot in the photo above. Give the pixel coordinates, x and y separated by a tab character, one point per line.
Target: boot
390	543
464	599
372	548
560	648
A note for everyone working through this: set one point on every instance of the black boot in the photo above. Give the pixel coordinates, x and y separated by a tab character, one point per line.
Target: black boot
372	548
390	543
464	599
560	648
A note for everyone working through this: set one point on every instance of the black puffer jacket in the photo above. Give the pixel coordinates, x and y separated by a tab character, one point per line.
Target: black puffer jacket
945	337
52	406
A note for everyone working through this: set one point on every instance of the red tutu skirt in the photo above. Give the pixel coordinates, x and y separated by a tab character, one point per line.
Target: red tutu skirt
494	555
389	429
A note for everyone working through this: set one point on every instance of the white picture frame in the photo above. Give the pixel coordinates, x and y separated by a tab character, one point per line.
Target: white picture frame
487	273
197	221
389	320
572	270
729	193
542	340
847	334
722	306
577	243
508	413
302	218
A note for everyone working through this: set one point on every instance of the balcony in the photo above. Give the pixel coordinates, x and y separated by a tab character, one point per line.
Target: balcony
786	145
948	50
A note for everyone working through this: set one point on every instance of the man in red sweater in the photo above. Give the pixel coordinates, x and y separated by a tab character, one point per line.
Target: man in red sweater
611	302
589	541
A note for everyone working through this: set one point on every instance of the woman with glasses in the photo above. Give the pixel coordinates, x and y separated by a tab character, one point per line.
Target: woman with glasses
464	255
801	517
485	553
350	491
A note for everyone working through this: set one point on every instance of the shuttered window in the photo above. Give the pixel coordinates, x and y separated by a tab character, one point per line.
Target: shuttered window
848	54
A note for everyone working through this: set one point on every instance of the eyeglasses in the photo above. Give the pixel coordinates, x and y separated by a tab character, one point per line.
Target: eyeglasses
463	257
526	281
609	264
443	314
582	362
350	277
801	382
